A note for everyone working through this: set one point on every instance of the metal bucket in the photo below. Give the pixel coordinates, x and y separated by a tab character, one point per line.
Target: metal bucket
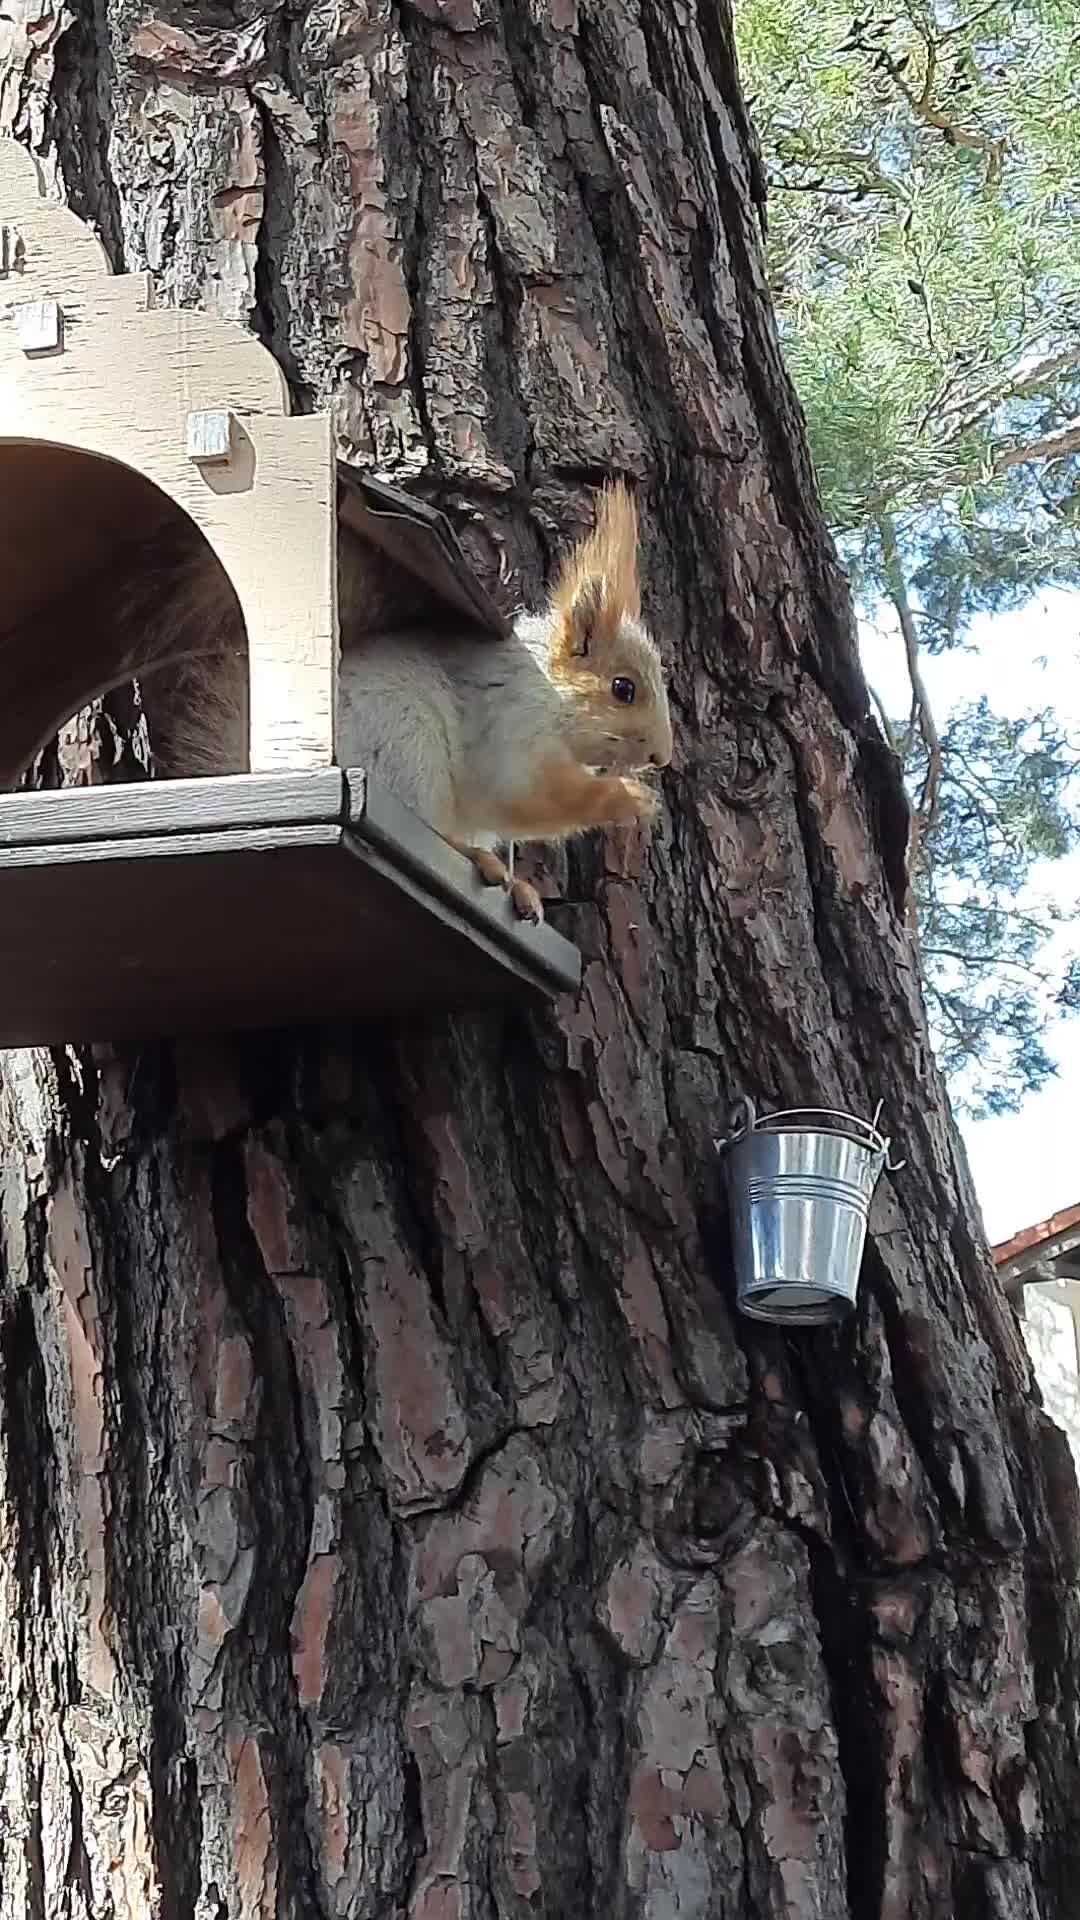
800	1184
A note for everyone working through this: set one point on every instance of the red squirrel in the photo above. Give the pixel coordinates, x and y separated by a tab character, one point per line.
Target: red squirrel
536	737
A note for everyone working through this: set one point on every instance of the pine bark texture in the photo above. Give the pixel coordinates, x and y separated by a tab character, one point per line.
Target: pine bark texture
397	1522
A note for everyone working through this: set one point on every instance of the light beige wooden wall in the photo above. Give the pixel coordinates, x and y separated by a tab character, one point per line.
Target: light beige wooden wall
88	363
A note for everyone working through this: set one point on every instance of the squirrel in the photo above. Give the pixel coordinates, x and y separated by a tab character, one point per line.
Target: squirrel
537	737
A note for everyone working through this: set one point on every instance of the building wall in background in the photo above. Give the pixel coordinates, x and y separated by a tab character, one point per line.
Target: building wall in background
1050	1335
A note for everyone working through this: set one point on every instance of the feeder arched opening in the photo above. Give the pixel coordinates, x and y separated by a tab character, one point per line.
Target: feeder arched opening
107	580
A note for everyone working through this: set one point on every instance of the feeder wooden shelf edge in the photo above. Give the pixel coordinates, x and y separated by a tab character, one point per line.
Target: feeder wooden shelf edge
251	901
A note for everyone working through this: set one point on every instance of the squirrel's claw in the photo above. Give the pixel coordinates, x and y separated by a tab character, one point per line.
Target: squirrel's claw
495	873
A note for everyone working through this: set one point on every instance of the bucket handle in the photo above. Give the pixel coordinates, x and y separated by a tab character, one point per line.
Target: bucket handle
875	1140
743	1119
891	1166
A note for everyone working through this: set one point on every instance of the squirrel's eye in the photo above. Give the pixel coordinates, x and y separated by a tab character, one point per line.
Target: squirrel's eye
624	690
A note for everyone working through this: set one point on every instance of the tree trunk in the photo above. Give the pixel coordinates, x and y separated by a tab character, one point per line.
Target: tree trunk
397	1520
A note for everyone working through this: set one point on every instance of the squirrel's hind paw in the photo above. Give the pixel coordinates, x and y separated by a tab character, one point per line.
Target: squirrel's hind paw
527	902
495	873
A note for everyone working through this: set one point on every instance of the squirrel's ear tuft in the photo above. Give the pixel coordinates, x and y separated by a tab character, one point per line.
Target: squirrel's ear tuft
598	586
584	618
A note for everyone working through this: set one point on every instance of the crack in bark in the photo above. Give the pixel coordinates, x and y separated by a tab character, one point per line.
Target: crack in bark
283	1499
270	317
643	367
845	1636
81	124
414	262
508	304
31	1494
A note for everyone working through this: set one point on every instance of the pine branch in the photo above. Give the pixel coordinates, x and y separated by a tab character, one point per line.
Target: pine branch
979	406
1049	446
922	106
1052	446
864	169
974	962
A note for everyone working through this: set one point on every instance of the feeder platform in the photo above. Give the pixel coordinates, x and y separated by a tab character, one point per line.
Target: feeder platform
255	900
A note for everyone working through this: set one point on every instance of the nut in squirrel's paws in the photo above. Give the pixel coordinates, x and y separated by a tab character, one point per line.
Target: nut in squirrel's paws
633	803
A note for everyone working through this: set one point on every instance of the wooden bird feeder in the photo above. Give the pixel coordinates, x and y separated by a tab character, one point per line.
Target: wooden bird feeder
297	890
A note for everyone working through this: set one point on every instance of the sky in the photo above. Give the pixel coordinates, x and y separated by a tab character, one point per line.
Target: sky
1025	1165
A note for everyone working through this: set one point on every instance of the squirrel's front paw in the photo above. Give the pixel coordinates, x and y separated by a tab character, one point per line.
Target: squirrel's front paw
632	803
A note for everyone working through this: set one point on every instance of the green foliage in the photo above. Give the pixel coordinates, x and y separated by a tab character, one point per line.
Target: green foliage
1007	799
924	203
922	244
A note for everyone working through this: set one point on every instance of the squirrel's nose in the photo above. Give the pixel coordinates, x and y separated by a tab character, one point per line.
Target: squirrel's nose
660	760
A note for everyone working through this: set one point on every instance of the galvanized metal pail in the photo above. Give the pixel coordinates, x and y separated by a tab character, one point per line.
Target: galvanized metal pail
800	1184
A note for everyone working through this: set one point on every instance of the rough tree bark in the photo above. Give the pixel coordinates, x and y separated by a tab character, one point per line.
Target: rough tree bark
396	1520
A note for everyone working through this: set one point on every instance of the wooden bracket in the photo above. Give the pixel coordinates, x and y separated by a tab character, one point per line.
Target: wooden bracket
39	325
209	435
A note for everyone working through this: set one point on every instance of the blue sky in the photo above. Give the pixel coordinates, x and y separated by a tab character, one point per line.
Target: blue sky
1025	1165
